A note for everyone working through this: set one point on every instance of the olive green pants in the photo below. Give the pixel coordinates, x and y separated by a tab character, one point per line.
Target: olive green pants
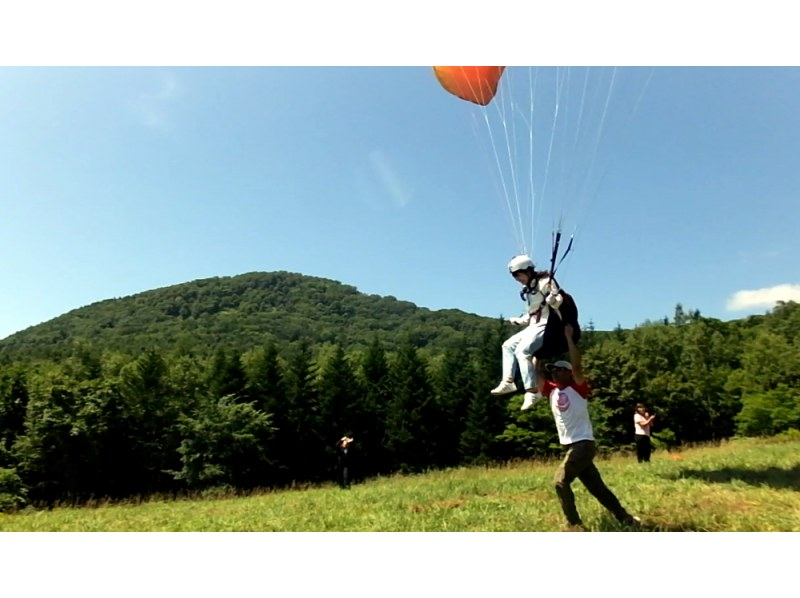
579	463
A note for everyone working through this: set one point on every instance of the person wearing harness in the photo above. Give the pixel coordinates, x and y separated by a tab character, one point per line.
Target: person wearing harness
542	295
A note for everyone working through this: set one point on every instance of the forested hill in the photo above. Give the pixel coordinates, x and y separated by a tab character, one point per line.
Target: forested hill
244	311
249	381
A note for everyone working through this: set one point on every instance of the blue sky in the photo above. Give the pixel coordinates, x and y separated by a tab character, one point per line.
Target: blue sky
115	181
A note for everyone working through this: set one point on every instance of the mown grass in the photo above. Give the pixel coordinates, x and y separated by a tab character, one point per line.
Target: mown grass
741	485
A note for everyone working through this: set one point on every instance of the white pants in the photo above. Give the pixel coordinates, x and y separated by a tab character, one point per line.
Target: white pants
518	351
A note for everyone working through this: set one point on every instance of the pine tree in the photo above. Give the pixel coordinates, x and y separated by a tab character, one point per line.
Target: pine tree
148	422
411	419
265	384
227	377
486	414
300	436
13	403
341	404
374	456
453	383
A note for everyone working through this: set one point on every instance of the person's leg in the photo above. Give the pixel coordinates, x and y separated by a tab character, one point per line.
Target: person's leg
341	470
507	384
570	468
590	477
648	448
640	447
531	340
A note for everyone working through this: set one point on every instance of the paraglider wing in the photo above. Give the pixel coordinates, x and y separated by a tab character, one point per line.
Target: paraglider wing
477	84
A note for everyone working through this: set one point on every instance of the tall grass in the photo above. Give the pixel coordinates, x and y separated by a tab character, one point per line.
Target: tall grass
740	485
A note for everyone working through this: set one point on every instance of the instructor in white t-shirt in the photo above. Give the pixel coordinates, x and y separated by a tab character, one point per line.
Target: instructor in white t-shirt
569	400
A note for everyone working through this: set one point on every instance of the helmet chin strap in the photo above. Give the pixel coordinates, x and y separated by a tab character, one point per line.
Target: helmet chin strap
527	289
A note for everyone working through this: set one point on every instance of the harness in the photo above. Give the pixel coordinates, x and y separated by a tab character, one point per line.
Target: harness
528	292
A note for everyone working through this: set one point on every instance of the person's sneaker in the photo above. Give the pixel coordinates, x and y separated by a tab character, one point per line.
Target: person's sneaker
632	521
504	388
530	400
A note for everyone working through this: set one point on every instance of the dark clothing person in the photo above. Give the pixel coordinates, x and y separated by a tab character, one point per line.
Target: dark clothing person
343	461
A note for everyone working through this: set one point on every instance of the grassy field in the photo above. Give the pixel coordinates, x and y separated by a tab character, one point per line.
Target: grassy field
741	485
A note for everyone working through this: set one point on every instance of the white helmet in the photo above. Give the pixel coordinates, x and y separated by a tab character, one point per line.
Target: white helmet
521	262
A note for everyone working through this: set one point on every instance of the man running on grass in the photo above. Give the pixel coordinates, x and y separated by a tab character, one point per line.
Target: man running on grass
568	394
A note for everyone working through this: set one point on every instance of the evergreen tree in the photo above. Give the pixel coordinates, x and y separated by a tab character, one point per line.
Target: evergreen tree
228	377
13	403
486	414
341	401
453	384
411	419
374	456
300	435
266	381
150	433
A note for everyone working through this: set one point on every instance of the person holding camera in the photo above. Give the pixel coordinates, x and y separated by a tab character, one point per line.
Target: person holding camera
642	421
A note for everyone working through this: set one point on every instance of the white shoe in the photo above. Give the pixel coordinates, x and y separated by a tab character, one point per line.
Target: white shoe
531	399
633	521
504	388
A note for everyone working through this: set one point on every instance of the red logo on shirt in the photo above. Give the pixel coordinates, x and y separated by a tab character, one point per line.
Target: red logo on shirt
562	402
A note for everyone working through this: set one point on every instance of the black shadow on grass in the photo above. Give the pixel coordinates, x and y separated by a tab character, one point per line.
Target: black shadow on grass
781	478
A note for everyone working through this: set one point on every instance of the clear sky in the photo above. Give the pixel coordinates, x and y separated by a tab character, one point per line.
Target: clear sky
118	180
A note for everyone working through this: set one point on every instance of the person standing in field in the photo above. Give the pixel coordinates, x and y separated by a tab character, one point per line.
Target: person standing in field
343	460
641	424
568	393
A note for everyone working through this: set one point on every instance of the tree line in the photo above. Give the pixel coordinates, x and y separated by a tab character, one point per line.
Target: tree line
102	423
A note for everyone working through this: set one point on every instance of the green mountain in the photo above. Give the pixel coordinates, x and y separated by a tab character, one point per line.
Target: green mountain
244	311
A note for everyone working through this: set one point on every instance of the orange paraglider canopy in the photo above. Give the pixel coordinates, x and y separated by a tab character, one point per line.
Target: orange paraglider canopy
477	84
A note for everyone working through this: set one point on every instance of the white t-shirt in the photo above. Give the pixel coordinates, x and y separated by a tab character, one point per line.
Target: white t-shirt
640	430
571	411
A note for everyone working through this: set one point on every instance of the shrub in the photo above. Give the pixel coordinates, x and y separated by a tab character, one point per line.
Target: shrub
13	494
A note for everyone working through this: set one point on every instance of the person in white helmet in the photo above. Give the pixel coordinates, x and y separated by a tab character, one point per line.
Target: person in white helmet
542	295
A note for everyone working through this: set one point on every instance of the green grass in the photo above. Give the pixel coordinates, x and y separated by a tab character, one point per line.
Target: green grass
741	485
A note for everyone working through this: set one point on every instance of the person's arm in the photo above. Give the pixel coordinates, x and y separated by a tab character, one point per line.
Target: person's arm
521	320
643	420
552	294
540	377
574	356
